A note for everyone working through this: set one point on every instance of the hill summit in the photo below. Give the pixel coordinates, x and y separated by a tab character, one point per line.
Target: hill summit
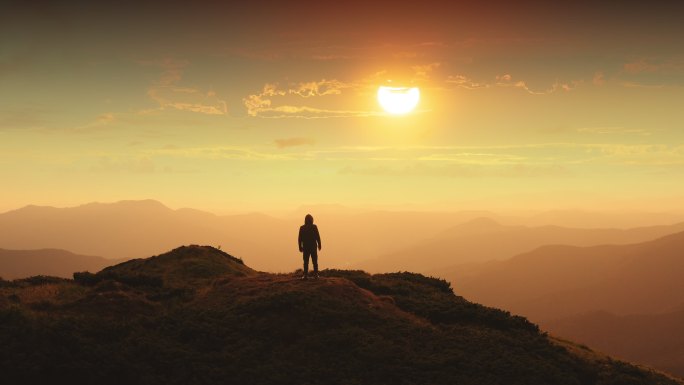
185	265
197	315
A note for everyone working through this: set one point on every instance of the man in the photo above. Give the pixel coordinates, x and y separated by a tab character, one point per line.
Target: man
308	241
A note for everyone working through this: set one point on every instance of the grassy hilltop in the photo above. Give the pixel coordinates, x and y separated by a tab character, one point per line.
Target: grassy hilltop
197	315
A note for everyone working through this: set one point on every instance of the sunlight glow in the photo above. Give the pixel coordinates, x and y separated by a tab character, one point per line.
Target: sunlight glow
398	100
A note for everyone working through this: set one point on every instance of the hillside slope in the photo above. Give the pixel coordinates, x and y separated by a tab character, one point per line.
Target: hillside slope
197	315
653	339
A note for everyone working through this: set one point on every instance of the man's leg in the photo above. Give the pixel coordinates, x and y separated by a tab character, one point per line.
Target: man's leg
314	259
306	262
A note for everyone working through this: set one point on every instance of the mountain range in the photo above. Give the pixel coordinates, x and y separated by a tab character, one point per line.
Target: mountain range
376	241
557	281
134	229
623	299
484	239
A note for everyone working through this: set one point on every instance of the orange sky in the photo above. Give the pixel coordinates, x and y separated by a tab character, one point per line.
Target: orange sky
265	105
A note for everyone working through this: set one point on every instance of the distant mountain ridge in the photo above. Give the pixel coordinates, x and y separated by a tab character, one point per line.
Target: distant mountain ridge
55	262
351	238
135	229
130	229
623	299
557	281
197	315
484	239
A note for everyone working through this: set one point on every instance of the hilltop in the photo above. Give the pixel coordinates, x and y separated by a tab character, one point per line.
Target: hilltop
197	315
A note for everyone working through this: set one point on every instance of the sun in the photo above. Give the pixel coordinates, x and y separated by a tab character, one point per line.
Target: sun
398	100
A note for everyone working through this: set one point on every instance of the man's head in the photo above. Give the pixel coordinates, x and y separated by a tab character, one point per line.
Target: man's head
308	219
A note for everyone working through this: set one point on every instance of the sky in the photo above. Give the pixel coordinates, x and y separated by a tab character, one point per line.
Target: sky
263	106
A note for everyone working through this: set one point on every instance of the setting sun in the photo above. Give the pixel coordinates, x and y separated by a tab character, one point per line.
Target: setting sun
398	100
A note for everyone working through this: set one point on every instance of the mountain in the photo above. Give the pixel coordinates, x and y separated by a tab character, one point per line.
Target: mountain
625	300
484	239
197	315
54	262
602	219
652	339
559	281
134	229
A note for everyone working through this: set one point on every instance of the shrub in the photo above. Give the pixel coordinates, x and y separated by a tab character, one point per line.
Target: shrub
437	283
132	279
86	278
40	280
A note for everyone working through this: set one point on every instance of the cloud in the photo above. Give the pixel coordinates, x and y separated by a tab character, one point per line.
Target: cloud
533	159
632	84
304	112
653	73
644	154
105	118
423	71
544	160
506	80
293	142
613	131
262	104
463	81
169	95
276	101
23	118
218	109
134	165
320	88
645	65
142	165
599	79
475	158
460	171
223	152
101	121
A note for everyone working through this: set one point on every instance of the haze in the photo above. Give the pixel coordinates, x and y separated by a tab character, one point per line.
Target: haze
542	171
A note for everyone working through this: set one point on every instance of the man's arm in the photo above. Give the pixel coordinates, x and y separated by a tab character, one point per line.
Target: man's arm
299	240
318	238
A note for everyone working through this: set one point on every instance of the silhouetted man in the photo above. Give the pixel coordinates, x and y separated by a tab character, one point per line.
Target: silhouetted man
309	240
